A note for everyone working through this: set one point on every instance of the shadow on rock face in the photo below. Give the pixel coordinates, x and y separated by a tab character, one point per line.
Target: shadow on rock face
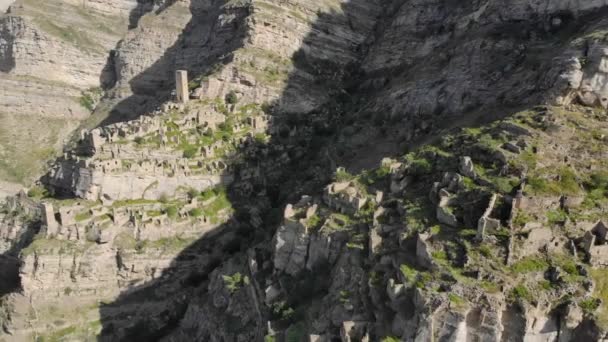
25	225
203	43
188	302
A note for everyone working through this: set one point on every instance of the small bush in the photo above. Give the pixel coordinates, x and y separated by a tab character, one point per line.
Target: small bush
196	212
557	216
409	273
419	167
390	339
193	193
87	101
234	282
260	138
521	292
436	229
313	221
485	250
440	256
456	300
545	285
190	152
521	218
589	305
342	175
232	98
37	192
171	212
282	311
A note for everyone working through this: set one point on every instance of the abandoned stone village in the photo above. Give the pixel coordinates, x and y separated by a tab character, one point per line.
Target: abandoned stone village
319	171
141	190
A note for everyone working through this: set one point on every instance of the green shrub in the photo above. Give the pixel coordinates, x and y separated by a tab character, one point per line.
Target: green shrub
568	182
390	339
196	212
436	229
37	192
589	305
599	180
418	166
260	138
521	292
557	216
87	101
505	185
545	285
234	282
190	152
485	250
227	127
521	218
282	311
208	194
171	212
440	256
342	175
193	193
456	300
232	98
409	273
313	221
372	177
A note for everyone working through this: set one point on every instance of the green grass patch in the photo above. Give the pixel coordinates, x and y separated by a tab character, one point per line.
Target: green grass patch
82	216
235	282
390	339
529	265
341	175
521	292
556	216
566	183
37	192
457	301
521	218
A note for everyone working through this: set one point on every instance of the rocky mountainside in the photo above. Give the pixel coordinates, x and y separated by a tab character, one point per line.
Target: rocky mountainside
54	62
406	170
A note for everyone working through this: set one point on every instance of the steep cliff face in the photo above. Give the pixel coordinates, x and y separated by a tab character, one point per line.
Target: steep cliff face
488	229
53	62
451	58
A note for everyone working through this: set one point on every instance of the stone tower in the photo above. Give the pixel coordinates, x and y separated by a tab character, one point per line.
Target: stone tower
181	86
48	219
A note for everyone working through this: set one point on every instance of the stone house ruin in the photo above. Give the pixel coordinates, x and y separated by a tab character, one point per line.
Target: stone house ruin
594	244
344	197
